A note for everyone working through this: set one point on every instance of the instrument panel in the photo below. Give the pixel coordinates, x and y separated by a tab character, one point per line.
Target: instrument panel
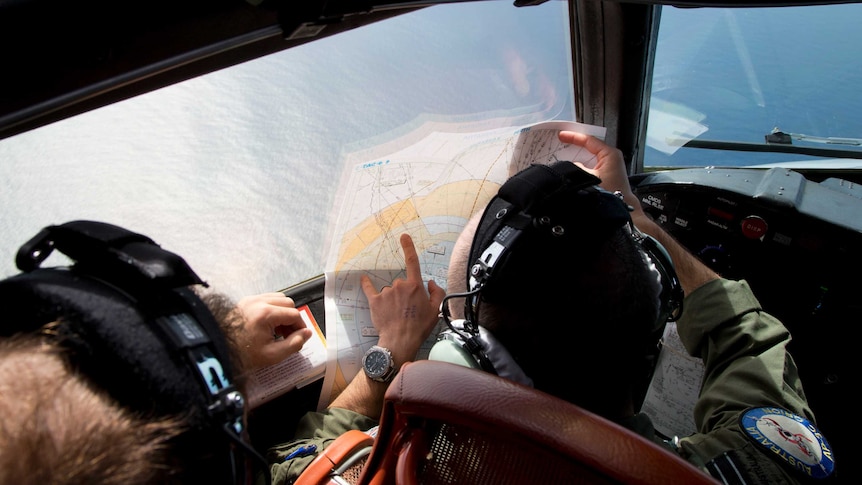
797	243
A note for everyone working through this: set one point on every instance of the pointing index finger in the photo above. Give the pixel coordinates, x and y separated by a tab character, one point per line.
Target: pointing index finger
411	258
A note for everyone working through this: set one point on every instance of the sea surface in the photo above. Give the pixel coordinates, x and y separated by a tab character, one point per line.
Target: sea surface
743	72
237	170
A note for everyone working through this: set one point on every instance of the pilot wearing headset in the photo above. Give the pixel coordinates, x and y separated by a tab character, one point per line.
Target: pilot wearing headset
115	370
527	312
119	369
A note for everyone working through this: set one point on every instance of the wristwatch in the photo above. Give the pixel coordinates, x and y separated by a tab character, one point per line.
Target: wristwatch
378	365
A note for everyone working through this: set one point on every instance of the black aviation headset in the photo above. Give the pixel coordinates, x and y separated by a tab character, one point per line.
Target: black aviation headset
129	321
554	209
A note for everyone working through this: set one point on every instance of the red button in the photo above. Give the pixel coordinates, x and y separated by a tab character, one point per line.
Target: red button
754	227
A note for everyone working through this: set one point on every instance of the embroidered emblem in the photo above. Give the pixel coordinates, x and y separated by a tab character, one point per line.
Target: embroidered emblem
792	439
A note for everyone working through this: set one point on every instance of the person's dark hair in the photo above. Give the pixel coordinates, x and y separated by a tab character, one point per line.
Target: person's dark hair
586	339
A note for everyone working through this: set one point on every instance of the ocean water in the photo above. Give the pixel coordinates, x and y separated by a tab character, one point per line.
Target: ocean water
742	72
237	170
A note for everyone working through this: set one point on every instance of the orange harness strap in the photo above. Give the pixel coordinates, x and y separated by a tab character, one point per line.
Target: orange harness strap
319	470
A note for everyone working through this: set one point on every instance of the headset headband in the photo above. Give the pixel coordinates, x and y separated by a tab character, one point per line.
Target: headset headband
130	324
544	209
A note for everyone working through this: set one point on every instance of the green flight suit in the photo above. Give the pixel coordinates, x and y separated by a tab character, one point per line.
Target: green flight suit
744	351
746	365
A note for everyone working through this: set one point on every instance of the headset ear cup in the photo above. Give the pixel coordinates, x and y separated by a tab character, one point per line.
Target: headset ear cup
672	294
447	350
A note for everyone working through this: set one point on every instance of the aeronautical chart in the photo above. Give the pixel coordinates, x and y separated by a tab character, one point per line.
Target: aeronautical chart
428	188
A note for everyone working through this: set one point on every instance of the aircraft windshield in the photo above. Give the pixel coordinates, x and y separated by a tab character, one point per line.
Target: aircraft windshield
728	78
238	170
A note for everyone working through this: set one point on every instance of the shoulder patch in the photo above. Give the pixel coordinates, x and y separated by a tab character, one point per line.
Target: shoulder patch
791	439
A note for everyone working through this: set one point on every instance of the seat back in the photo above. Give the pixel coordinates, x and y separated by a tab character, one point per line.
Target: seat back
447	424
339	463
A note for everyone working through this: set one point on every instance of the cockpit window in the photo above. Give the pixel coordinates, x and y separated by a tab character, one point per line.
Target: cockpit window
742	87
238	170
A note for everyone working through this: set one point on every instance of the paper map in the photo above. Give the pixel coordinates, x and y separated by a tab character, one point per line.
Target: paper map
674	388
428	188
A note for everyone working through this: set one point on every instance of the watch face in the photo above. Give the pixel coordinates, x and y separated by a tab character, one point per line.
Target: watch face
377	363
